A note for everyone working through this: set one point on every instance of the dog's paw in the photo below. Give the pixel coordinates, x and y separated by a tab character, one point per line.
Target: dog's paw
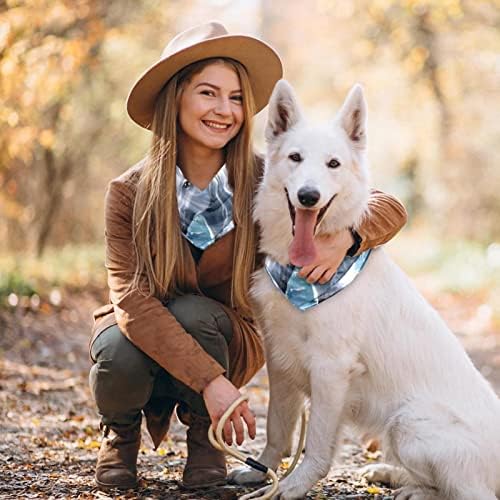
415	493
246	475
286	496
289	490
377	473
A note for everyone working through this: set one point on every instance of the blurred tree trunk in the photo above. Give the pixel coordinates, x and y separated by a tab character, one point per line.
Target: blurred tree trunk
413	189
57	174
58	168
426	37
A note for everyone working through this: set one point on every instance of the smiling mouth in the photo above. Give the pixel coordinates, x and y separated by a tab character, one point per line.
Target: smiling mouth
321	212
216	125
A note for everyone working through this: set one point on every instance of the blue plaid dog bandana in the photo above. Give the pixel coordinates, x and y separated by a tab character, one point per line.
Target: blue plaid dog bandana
205	215
304	295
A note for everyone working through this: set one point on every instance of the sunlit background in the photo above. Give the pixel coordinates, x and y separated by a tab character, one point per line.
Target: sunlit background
430	70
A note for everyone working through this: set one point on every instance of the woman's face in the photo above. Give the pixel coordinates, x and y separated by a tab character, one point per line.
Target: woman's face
211	108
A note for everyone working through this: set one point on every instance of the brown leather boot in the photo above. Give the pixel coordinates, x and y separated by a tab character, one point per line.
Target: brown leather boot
117	459
205	466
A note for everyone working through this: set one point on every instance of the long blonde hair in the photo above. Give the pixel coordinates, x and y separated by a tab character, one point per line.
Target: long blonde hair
159	246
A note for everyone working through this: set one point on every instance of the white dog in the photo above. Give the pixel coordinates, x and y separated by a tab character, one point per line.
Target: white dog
375	355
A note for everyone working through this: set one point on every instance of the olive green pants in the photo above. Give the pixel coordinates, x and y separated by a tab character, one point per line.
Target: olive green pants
123	378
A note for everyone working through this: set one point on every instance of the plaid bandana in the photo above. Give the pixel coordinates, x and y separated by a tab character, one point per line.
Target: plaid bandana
304	295
205	215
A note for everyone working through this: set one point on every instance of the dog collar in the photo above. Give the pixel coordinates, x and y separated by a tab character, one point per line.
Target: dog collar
304	295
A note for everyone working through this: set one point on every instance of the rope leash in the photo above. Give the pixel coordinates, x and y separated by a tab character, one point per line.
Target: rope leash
218	442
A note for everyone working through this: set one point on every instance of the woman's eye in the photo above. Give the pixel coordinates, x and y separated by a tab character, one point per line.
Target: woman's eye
207	92
333	163
295	157
237	98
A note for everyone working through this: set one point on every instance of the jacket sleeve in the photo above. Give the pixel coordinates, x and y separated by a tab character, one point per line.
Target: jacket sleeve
144	320
383	219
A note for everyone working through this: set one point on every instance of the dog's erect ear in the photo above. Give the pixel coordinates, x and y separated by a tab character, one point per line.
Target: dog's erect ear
353	116
284	111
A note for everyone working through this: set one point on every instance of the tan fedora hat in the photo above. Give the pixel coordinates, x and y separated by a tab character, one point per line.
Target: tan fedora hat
208	40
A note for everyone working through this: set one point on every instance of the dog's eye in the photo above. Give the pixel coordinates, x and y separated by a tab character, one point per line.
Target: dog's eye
333	163
295	157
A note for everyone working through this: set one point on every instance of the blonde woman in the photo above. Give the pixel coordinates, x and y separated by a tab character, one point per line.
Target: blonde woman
180	250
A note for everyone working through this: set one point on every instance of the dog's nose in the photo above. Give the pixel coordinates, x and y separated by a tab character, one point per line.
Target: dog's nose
308	197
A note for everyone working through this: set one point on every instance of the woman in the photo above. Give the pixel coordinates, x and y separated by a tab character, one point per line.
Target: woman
180	249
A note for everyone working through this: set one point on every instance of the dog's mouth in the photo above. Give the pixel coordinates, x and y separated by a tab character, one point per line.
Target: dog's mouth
321	212
305	223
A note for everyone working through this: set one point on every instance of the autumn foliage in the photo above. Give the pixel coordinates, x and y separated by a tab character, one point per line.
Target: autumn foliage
429	68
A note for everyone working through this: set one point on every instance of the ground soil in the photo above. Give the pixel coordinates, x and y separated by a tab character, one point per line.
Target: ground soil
50	429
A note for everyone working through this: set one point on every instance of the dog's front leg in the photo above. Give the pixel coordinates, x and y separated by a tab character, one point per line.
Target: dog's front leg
285	402
329	386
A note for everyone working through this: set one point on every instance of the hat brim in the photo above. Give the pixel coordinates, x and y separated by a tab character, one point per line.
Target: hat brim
262	63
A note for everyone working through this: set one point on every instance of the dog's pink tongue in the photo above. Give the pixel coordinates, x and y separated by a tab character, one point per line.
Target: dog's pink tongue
302	250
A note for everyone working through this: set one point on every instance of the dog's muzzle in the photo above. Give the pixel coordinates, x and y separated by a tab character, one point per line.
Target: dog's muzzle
310	200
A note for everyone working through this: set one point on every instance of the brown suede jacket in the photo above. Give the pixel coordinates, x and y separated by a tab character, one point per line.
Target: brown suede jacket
149	325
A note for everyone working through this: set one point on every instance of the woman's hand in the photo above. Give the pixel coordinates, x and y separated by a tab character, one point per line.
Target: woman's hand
331	252
218	396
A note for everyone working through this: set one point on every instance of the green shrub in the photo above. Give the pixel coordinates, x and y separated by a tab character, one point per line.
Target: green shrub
76	267
13	281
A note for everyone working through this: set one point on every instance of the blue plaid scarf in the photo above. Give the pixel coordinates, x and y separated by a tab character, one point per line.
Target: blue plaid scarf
205	215
304	295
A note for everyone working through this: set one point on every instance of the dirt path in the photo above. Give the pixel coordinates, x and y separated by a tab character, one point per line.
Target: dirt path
49	428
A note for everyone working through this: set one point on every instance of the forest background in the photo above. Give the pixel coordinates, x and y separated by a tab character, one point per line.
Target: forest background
430	69
431	73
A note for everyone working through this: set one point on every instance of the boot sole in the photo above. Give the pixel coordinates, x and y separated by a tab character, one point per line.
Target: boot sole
210	484
122	486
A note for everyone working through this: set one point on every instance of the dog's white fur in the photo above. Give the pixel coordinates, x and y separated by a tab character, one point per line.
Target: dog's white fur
376	355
